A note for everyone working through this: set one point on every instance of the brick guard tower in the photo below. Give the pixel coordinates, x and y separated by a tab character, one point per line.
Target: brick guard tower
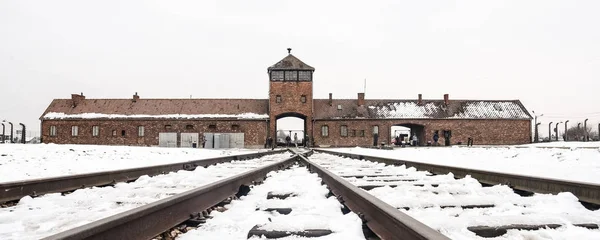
290	93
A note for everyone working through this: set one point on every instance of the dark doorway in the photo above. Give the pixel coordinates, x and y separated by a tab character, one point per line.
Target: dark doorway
403	133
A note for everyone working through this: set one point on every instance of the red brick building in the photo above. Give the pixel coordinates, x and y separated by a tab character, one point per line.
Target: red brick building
248	122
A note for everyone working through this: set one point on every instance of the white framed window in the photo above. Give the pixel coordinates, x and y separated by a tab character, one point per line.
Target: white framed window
95	131
324	130
53	131
291	75
277	75
344	131
375	129
140	131
74	130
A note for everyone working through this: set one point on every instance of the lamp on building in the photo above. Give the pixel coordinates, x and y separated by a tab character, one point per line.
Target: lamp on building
550	132
556	130
585	131
566	136
536	136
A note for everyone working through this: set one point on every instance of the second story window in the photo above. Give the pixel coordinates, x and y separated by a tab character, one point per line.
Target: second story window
303	98
278	98
304	75
74	130
277	75
291	75
95	131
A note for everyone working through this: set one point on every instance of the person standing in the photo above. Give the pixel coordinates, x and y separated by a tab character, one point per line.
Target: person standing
296	139
287	141
436	137
414	140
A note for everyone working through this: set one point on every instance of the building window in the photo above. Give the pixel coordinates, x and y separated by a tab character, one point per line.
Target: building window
353	133
140	131
324	130
362	133
304	75
277	75
303	98
344	131
52	131
168	127
235	127
95	131
189	127
291	75
212	126
114	133
122	133
74	131
375	130
278	98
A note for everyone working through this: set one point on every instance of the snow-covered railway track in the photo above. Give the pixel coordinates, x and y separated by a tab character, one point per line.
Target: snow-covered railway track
463	208
33	218
289	203
587	193
13	191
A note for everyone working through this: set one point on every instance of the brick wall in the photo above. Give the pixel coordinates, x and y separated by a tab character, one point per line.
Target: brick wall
254	131
483	132
290	93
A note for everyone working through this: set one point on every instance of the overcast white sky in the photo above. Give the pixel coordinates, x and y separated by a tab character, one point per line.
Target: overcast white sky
545	53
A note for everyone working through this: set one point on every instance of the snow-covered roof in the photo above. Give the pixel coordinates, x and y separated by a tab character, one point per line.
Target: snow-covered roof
55	115
428	109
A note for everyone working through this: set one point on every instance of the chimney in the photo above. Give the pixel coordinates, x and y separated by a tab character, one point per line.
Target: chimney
330	99
446	101
135	97
77	98
420	100
361	99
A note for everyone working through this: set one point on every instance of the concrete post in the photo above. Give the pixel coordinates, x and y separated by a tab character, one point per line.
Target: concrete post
550	132
566	136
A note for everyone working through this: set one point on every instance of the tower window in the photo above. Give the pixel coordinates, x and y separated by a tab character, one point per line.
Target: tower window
277	75
304	75
291	75
303	99
278	99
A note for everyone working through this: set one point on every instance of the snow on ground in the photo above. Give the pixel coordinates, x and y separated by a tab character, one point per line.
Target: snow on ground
425	202
311	209
561	144
29	161
34	218
573	164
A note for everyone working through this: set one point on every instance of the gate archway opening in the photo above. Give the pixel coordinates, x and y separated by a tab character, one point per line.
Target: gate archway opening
404	132
292	125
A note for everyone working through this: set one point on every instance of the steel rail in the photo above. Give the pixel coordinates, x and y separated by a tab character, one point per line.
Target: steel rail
10	191
383	219
586	192
155	218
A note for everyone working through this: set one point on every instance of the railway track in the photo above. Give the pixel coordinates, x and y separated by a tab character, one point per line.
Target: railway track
13	191
587	193
288	202
463	208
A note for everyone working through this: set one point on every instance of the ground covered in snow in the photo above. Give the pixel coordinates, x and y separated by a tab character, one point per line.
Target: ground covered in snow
567	163
311	209
441	202
561	144
34	218
29	161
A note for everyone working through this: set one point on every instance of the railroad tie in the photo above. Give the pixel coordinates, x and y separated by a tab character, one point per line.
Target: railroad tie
271	234
496	231
272	195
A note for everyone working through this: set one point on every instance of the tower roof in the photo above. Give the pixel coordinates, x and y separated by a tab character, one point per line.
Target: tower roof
290	62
